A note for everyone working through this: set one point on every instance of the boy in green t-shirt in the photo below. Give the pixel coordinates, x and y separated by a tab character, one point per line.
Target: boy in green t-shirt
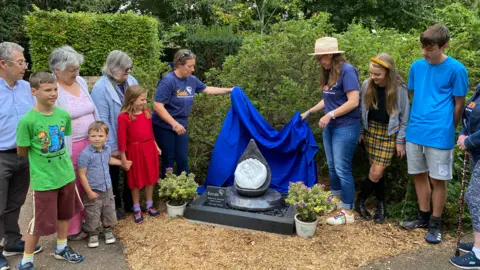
41	137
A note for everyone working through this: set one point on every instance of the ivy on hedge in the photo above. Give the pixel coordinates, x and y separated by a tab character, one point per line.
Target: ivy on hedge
93	35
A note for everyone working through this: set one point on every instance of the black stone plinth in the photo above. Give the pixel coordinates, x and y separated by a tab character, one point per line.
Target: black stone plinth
196	211
269	200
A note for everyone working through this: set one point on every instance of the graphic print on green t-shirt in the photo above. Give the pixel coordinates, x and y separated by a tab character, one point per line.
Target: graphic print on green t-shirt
50	163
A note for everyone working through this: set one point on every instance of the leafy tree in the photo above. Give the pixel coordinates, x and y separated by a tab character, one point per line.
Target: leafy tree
11	21
99	6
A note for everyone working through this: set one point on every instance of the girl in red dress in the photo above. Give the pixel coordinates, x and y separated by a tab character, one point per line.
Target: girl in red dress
136	142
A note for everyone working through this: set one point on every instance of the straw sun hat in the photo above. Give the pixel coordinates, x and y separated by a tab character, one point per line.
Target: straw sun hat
326	45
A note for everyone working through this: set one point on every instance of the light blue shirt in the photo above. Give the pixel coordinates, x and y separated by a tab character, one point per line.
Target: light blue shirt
96	162
14	104
434	90
106	99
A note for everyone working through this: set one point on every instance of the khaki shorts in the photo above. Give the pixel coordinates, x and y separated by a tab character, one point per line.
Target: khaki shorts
100	211
52	205
437	162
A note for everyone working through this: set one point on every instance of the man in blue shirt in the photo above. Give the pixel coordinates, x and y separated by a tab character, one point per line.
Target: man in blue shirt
15	100
439	84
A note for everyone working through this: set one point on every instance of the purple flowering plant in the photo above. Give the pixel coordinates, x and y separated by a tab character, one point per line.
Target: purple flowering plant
309	202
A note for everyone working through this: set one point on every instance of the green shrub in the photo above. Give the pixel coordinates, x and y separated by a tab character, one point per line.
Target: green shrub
361	43
275	70
177	190
205	123
93	35
211	46
464	26
309	202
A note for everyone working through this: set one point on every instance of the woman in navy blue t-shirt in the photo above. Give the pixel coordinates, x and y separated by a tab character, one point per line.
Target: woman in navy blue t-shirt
469	140
340	124
173	103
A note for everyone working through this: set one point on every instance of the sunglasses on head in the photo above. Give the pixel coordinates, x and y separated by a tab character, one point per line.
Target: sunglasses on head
188	53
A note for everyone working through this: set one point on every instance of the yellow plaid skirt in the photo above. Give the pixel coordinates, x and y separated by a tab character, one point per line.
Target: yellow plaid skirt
380	147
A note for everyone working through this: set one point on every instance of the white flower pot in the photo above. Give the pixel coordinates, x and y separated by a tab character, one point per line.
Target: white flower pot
305	229
174	211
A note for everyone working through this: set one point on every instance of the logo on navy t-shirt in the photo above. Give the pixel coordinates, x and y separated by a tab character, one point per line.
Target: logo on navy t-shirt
187	93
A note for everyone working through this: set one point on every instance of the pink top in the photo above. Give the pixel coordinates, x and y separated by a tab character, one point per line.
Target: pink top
82	111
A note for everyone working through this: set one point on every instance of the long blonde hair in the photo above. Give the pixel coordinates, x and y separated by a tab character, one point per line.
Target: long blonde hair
131	95
331	76
392	83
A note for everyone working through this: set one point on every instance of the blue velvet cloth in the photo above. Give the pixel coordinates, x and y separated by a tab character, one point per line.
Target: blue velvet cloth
290	152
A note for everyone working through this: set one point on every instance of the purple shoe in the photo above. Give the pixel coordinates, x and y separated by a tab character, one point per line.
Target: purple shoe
138	217
153	212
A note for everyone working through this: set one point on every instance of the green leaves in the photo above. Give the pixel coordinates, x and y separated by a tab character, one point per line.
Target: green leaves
309	202
177	189
211	46
93	35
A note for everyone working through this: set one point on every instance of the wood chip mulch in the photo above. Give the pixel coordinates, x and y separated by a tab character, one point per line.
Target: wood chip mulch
163	243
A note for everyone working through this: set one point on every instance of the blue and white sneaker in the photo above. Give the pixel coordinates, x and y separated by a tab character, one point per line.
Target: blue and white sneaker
19	249
434	233
467	261
466	247
69	255
3	263
27	266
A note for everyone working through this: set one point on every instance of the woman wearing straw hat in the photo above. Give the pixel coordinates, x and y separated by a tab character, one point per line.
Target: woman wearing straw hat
385	112
340	124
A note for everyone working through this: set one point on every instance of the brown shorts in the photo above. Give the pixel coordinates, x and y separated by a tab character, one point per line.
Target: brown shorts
99	211
52	205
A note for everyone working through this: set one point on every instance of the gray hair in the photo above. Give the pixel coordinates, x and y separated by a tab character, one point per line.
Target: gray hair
116	61
7	48
61	57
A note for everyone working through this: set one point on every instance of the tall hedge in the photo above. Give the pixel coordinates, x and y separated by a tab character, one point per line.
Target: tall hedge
95	35
211	46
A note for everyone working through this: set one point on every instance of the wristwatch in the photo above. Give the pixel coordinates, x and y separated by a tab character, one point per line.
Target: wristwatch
332	114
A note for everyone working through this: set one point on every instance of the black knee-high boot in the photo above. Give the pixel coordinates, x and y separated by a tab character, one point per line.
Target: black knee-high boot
381	212
367	188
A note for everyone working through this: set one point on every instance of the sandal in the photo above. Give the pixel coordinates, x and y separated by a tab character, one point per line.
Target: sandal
77	237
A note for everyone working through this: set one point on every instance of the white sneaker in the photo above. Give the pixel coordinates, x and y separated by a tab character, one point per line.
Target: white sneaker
93	241
341	219
109	238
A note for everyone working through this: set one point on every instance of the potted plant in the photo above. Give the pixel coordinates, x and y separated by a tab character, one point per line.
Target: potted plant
309	203
177	191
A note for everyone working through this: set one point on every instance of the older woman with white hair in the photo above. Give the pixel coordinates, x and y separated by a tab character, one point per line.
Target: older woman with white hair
73	96
108	94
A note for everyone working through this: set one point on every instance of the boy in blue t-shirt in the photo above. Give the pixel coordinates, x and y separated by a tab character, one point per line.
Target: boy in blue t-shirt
439	84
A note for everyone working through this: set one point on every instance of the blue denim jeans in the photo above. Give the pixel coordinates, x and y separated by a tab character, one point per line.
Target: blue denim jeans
174	149
340	144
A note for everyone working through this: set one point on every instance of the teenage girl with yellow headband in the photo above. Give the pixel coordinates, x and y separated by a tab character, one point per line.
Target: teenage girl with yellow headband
385	111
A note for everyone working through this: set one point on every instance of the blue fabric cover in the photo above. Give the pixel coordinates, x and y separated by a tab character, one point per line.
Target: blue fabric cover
290	152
